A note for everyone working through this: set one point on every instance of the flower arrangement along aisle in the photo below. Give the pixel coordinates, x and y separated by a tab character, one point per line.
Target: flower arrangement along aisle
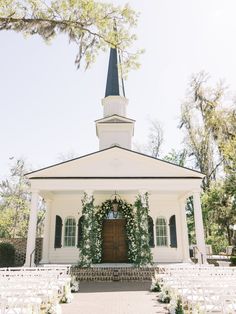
175	306
74	284
156	283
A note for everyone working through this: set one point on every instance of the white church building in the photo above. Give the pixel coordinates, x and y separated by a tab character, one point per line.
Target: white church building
114	172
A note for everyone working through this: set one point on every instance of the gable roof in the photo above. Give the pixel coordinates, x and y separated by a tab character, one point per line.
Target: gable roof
115	118
114	162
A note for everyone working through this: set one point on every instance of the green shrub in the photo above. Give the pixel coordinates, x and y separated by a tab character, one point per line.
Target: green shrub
7	255
217	242
233	261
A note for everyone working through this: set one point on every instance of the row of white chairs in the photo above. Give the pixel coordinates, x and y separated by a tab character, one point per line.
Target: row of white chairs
33	290
208	289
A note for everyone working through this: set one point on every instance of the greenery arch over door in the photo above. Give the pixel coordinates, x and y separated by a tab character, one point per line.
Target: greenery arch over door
139	251
102	211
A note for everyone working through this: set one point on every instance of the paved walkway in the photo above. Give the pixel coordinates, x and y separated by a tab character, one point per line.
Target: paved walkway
114	298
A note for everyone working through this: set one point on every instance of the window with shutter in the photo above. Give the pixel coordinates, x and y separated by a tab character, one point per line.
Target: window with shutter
58	232
173	236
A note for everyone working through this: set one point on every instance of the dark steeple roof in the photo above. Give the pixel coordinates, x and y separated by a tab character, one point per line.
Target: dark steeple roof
115	83
112	87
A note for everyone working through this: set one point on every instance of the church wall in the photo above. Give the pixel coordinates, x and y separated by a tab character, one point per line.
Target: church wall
165	206
69	205
119	138
64	206
114	105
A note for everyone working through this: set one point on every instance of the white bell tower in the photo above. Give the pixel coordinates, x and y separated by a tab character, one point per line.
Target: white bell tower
114	129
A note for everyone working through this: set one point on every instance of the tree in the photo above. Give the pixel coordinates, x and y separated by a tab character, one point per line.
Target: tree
210	124
88	23
154	141
15	203
210	127
198	110
177	157
221	205
155	138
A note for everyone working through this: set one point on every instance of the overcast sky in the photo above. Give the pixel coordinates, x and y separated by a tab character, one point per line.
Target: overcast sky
48	107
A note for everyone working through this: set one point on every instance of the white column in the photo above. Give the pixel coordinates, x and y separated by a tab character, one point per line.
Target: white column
199	230
31	238
184	231
46	234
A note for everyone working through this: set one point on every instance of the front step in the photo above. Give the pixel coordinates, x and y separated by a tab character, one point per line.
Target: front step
113	273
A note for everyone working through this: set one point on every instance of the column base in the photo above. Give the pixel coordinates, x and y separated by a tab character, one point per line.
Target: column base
201	259
44	261
187	261
28	265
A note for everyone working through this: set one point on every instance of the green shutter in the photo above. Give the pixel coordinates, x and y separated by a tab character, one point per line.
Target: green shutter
80	231
58	232
151	231
173	236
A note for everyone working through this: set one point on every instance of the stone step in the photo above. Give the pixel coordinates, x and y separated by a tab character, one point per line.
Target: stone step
113	273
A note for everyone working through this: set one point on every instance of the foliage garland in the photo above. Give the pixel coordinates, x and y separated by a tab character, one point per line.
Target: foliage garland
127	212
86	249
139	251
144	255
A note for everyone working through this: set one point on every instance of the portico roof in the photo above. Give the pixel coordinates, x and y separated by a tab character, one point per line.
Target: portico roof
115	162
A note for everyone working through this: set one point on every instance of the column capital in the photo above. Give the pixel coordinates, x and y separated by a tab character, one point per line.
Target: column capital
196	191
47	196
48	200
34	191
184	197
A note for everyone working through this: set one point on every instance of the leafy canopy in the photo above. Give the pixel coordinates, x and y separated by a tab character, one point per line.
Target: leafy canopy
15	203
92	25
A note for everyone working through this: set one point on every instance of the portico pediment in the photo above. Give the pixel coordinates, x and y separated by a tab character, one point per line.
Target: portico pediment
115	162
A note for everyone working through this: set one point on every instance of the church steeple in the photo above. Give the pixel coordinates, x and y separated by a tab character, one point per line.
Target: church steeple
112	86
114	128
115	83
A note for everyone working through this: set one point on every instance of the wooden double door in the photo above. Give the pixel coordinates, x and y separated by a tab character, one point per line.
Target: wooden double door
115	247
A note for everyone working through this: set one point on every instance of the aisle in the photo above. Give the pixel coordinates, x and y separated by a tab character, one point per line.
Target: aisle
114	298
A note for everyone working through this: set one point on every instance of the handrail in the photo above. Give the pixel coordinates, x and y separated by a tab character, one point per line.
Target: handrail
31	255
